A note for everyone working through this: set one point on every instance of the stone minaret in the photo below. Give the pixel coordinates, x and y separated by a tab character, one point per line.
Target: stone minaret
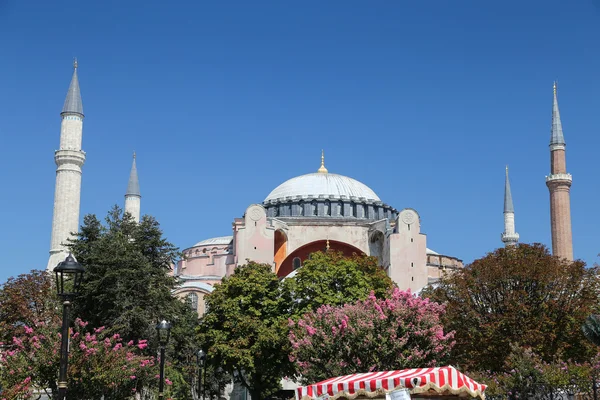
559	184
69	160
509	236
132	196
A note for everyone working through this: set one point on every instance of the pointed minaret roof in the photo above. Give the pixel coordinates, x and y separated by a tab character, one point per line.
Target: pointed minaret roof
556	137
133	187
508	202
73	102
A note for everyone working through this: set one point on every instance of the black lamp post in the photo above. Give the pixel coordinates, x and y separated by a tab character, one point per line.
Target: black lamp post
201	361
164	332
69	274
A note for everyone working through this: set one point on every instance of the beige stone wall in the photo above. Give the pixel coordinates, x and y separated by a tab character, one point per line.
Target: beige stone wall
407	247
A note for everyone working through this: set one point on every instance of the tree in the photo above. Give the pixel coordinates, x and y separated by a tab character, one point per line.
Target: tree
591	329
401	331
127	283
245	329
100	363
519	295
331	278
25	301
128	287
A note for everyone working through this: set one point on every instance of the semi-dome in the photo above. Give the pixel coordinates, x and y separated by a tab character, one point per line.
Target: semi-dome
322	184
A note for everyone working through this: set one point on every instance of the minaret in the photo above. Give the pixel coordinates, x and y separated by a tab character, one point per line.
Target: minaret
132	196
69	160
509	236
559	184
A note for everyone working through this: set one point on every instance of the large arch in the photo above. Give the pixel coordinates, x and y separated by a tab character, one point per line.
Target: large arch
305	251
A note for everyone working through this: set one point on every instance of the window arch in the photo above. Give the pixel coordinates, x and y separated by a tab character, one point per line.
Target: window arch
296	263
193	297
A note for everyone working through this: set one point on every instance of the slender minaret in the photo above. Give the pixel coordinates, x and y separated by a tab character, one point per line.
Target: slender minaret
509	236
559	184
132	196
69	160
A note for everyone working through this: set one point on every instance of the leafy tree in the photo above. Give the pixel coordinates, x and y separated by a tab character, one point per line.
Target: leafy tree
518	295
25	301
128	287
591	329
245	329
334	279
401	331
100	363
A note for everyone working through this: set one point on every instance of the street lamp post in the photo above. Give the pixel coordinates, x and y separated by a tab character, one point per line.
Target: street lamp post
201	361
69	274
164	332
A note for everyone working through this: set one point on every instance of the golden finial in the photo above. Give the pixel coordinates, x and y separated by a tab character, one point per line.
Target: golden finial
327	245
554	87
75	63
322	169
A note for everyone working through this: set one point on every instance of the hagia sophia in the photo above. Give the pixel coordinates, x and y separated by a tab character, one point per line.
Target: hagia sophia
320	210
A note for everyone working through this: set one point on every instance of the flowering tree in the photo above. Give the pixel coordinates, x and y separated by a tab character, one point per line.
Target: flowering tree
100	364
401	331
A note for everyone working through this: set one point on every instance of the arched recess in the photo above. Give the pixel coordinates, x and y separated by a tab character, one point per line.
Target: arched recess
376	246
280	248
286	267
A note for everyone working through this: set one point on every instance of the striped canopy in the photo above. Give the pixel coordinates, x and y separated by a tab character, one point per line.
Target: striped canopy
422	381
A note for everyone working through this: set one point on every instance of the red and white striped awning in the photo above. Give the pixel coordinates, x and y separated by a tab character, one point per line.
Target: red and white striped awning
423	381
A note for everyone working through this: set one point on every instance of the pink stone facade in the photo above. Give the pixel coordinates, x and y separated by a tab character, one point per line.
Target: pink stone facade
285	242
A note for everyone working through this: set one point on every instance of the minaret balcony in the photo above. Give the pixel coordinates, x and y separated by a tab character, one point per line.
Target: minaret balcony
559	177
510	237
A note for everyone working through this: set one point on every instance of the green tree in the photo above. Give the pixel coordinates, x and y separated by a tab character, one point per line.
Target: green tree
591	329
333	279
128	287
520	296
245	329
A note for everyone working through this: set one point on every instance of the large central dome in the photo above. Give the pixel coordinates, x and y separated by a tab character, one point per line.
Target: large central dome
322	183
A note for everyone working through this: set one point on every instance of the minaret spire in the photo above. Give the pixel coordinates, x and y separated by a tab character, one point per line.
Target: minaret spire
133	196
509	236
559	185
322	168
73	103
557	139
69	159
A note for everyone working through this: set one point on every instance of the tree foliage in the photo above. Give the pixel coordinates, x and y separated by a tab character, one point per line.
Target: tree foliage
591	329
521	296
401	331
333	279
127	284
128	287
100	363
245	329
26	300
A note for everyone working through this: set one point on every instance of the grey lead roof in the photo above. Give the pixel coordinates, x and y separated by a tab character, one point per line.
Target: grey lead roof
556	136
73	102
508	202
133	187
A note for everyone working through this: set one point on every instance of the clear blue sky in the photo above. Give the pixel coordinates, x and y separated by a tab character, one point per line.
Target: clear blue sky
423	101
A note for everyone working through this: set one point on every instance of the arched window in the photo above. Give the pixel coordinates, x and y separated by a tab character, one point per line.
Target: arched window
296	263
301	208
327	208
315	208
193	301
340	209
